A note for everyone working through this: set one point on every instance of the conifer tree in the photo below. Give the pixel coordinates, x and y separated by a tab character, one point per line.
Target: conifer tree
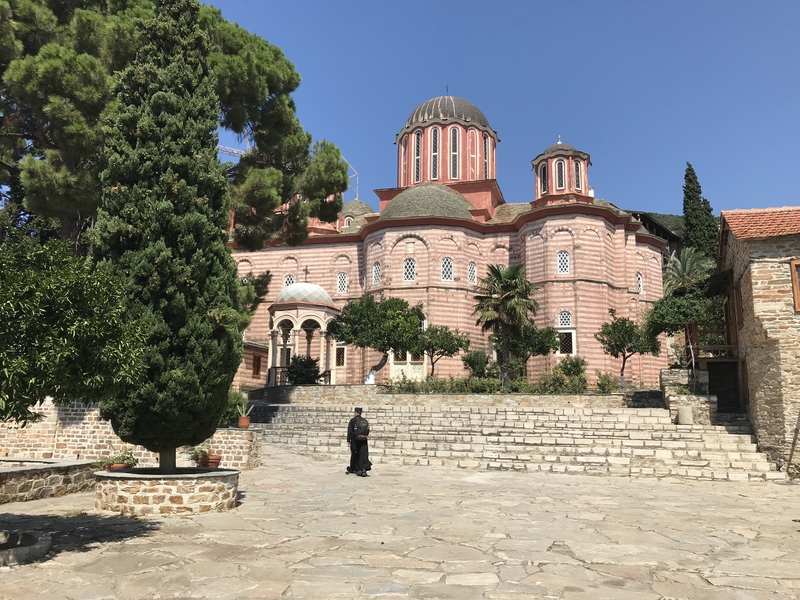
700	227
161	227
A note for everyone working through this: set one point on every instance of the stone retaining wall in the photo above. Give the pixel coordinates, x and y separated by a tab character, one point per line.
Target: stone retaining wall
22	482
134	493
76	432
370	395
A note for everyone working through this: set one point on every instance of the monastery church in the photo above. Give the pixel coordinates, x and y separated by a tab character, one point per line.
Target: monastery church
432	239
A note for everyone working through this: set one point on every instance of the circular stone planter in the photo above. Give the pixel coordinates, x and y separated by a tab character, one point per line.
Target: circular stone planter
17	547
139	492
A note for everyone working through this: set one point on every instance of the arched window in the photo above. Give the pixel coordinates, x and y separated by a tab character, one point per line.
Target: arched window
486	156
472	273
577	174
417	156
560	174
447	269
543	178
565	319
404	161
640	283
409	270
435	153
376	272
341	283
288	280
562	262
348	222
454	153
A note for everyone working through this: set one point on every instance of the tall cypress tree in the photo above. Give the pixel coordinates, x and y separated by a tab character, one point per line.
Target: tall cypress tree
161	227
700	230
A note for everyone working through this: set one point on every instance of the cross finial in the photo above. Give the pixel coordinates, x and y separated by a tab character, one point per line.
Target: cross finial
559	139
447	89
305	270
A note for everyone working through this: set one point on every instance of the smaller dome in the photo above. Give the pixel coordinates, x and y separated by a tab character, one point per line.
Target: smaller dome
307	293
559	146
428	200
356	208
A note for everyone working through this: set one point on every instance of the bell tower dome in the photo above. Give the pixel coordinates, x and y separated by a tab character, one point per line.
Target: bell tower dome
561	175
445	140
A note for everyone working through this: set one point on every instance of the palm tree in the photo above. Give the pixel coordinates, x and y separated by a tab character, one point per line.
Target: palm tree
503	304
691	267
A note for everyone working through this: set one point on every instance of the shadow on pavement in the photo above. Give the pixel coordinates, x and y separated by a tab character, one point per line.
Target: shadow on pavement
79	531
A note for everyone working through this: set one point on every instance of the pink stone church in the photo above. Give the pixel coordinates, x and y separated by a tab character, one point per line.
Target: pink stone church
431	241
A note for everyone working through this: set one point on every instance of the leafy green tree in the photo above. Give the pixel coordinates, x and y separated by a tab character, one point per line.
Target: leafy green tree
59	65
701	230
691	267
386	325
529	341
303	370
622	338
476	361
62	329
161	229
503	305
437	341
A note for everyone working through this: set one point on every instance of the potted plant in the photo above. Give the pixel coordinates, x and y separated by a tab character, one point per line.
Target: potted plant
214	460
244	415
120	460
200	456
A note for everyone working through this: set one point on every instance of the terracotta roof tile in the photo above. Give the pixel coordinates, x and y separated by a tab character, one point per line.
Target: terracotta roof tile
763	222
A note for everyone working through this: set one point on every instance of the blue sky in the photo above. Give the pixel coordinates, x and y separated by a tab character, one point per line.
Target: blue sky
642	87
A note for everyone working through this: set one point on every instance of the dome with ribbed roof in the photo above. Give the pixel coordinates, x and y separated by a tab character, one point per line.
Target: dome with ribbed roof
428	200
307	293
447	107
561	148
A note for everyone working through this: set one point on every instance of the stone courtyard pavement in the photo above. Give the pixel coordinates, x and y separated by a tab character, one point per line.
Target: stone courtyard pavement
306	530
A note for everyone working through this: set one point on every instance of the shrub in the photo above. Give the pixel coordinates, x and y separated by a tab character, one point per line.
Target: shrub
236	400
475	361
606	383
521	385
302	370
567	377
573	366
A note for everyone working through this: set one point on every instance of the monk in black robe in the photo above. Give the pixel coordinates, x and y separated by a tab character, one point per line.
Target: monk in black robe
359	451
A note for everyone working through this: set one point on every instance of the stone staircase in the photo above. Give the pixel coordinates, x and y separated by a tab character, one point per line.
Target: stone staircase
592	441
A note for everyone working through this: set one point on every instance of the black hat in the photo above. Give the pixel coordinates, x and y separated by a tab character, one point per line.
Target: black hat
357	409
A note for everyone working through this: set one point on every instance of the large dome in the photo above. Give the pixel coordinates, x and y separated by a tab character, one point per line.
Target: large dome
428	200
307	293
447	107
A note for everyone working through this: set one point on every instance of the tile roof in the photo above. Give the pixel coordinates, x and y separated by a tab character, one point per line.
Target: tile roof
763	222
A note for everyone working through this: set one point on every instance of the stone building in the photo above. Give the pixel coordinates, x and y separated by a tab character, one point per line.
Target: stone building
431	240
761	247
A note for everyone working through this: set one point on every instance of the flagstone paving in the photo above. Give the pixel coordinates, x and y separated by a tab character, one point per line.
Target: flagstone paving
306	530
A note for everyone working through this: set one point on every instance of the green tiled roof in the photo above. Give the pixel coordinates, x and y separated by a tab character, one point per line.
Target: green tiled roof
428	200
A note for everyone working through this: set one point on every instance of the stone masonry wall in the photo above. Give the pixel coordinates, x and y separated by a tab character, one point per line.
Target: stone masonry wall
31	482
76	432
769	337
357	395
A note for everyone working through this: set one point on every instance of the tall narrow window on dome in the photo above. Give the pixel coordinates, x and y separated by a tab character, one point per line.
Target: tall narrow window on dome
288	280
640	283
543	178
409	270
454	153
486	156
404	162
562	262
417	156
560	174
348	222
577	174
435	153
376	272
341	283
447	269
472	273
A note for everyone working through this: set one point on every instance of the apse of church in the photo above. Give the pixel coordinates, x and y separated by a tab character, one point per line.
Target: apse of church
433	237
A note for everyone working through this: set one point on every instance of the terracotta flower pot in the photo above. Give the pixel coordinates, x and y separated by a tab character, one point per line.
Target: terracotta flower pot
213	461
202	461
118	466
244	422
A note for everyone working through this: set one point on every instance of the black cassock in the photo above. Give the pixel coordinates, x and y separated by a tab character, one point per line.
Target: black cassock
359	450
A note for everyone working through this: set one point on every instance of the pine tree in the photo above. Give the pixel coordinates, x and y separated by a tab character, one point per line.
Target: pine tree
161	227
700	227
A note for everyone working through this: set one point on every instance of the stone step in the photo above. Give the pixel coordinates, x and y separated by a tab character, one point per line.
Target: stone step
612	468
